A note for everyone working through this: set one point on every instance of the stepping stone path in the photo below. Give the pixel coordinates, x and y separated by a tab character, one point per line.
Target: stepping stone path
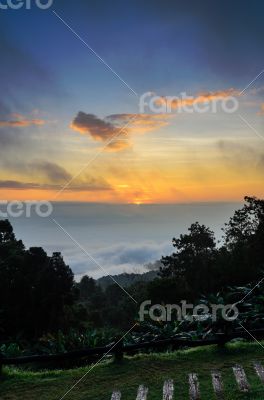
217	384
168	390
142	393
194	387
116	396
194	391
259	370
241	378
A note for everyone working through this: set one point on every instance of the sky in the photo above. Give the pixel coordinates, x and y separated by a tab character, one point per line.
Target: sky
72	125
133	118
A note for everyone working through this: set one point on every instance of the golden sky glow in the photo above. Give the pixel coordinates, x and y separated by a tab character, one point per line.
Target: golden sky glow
138	158
157	172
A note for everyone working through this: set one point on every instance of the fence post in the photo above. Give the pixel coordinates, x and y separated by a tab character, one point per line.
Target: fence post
119	354
223	339
1	364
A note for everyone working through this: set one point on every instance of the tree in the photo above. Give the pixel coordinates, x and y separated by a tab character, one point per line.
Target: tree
244	238
193	260
6	232
35	289
87	288
246	222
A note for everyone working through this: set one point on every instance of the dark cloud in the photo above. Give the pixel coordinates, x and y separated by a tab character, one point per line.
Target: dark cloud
241	156
53	176
53	171
88	186
18	185
98	128
101	130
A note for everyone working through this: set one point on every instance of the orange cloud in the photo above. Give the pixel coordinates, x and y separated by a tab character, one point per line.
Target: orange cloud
261	112
115	130
21	123
204	97
140	123
118	145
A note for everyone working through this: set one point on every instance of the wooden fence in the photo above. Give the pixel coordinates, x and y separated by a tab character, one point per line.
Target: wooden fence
118	349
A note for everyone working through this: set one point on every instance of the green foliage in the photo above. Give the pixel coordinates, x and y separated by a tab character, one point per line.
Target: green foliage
249	301
60	342
10	350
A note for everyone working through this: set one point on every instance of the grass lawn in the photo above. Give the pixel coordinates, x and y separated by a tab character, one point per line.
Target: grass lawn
150	370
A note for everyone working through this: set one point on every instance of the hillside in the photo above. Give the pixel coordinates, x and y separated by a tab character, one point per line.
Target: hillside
126	279
151	370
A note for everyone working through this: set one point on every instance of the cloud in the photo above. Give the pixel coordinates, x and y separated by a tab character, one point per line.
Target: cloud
21	123
94	126
241	157
115	130
140	123
86	186
123	257
200	98
257	91
132	254
91	184
261	112
18	185
9	123
53	171
46	175
100	130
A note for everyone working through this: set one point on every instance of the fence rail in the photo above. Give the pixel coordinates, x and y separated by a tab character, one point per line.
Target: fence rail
118	349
